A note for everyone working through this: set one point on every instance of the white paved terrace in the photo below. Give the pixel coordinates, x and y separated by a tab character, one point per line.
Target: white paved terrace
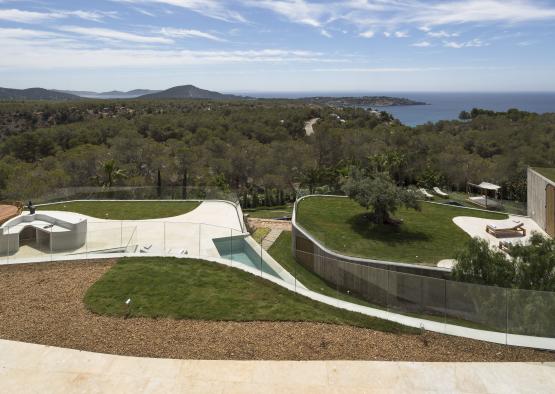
192	232
476	227
31	368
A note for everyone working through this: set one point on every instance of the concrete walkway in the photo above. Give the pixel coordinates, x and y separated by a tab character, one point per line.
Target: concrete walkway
30	368
269	239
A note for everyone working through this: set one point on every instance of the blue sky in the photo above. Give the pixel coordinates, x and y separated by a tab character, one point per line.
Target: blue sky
285	45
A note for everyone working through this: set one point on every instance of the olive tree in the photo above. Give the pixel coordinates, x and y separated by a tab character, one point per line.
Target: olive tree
379	193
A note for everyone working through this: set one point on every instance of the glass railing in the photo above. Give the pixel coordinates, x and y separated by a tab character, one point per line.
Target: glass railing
131	193
511	311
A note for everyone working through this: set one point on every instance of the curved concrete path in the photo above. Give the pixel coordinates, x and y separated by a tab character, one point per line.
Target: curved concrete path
30	368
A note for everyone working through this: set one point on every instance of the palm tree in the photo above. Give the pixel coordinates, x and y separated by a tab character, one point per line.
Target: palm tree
111	173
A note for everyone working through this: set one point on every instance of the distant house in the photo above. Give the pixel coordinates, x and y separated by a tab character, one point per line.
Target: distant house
541	198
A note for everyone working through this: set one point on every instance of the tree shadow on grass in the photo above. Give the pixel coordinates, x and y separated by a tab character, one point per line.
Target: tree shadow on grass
386	233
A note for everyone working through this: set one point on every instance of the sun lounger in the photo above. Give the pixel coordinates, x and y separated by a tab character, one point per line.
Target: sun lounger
506	227
425	193
438	191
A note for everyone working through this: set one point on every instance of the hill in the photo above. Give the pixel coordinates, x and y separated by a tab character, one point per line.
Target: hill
114	94
190	92
35	94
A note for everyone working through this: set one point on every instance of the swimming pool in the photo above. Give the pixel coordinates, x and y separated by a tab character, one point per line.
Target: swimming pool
239	250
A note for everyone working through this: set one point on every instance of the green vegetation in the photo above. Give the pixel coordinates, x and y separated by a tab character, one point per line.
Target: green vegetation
549	173
281	252
531	266
270	212
196	289
256	148
514	207
378	193
424	237
125	210
260	233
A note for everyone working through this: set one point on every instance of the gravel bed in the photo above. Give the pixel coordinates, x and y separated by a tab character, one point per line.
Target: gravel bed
42	303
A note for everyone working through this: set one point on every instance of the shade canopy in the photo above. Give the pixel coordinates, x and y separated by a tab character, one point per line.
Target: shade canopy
489	186
486	186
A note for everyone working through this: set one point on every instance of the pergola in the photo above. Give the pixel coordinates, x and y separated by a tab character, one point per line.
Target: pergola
488	195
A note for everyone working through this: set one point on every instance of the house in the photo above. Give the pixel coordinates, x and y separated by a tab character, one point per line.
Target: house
541	197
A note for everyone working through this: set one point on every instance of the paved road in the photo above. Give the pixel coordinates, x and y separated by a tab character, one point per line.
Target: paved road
308	126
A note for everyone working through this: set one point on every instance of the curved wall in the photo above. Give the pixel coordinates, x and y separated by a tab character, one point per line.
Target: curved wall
427	291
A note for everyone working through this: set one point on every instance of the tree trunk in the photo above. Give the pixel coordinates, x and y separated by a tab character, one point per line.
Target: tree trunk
159	184
184	184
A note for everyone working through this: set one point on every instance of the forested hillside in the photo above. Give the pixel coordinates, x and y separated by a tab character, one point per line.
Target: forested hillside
251	146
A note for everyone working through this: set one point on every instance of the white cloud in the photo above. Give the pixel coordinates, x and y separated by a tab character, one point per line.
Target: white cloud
188	33
109	34
391	15
401	34
401	69
22	50
456	12
144	12
14	15
94	16
298	11
442	34
210	8
476	42
18	33
422	44
367	34
387	34
325	33
22	16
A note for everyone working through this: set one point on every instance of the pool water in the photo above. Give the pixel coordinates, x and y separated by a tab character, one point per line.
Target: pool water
237	249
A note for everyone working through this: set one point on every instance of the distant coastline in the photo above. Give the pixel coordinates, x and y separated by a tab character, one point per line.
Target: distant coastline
441	106
364	101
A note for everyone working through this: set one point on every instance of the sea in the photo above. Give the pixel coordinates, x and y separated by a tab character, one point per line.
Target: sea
440	106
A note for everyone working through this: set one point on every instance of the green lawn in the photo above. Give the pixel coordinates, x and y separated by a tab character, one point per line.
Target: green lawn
269	212
425	237
196	289
549	173
125	210
514	207
281	252
260	233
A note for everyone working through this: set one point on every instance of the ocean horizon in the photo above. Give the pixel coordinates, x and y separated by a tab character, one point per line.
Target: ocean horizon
440	105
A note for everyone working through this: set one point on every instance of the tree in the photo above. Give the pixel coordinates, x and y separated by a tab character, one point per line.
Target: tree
379	193
530	266
478	263
112	173
465	115
311	178
535	264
